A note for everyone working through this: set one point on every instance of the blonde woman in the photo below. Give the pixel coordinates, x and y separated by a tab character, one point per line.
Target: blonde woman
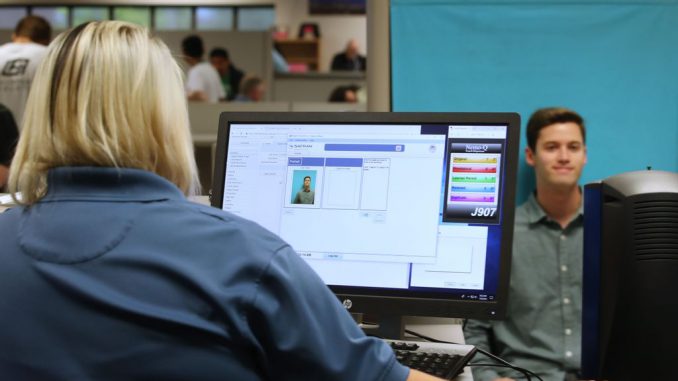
109	273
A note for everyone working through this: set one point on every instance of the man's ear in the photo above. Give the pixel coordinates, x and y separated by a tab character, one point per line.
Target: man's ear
529	156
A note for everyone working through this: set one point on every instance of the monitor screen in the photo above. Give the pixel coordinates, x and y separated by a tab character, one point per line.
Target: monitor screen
399	213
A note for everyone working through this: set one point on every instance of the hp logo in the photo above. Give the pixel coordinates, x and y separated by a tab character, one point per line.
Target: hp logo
347	304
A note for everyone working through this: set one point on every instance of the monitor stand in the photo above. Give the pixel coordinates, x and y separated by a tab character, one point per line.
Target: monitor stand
387	327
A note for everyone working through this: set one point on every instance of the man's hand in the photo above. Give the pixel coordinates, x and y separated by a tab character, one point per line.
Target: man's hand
416	375
504	379
197	96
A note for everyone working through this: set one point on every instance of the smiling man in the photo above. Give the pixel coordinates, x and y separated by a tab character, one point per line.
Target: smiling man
542	332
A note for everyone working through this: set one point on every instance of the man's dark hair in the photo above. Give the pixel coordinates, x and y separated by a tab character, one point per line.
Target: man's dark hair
219	52
192	46
551	115
307	177
339	93
36	28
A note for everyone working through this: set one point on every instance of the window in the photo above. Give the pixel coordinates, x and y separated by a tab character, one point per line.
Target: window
183	18
173	18
9	16
214	18
84	14
56	16
255	18
137	15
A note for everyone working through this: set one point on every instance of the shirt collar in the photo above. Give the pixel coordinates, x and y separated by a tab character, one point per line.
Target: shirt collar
535	213
108	183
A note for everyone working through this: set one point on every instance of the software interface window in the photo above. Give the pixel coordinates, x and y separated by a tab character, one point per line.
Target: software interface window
373	205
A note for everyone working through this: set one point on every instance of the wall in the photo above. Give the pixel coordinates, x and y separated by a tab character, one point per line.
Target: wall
312	87
335	30
613	61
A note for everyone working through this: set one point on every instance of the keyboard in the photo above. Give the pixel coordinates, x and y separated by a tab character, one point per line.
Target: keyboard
442	360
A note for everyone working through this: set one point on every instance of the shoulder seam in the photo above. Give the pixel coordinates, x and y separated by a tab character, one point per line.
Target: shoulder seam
257	282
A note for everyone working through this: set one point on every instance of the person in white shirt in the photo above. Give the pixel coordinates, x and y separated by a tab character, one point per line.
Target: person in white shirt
203	82
19	60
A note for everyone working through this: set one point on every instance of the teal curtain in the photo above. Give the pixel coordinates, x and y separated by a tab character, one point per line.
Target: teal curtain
615	62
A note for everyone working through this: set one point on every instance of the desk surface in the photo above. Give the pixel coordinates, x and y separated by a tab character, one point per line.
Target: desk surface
5	201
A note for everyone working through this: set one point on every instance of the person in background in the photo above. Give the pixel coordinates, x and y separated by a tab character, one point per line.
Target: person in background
19	60
350	59
202	82
347	94
110	273
542	331
252	89
229	74
9	134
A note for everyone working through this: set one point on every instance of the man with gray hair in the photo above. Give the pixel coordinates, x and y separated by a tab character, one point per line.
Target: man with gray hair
251	89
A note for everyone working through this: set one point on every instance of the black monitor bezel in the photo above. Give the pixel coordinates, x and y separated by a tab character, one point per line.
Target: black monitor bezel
373	302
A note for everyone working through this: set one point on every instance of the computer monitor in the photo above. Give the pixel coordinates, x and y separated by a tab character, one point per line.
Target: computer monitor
630	277
401	214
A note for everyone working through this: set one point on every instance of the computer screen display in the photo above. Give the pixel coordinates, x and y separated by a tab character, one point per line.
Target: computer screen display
403	213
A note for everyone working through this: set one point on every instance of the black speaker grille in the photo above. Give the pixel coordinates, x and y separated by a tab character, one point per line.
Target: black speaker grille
655	229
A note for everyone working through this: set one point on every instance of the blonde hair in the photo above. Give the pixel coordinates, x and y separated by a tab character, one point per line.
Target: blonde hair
107	94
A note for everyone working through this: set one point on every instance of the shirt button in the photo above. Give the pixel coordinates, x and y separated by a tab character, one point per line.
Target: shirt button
568	331
568	354
563	268
566	300
563	237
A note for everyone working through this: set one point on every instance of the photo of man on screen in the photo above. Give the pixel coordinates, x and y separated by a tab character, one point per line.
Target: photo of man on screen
305	195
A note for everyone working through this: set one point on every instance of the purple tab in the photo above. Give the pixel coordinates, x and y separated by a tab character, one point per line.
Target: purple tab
313	161
366	147
476	198
343	162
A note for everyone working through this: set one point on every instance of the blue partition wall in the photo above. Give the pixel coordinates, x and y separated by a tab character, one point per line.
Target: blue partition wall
615	62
